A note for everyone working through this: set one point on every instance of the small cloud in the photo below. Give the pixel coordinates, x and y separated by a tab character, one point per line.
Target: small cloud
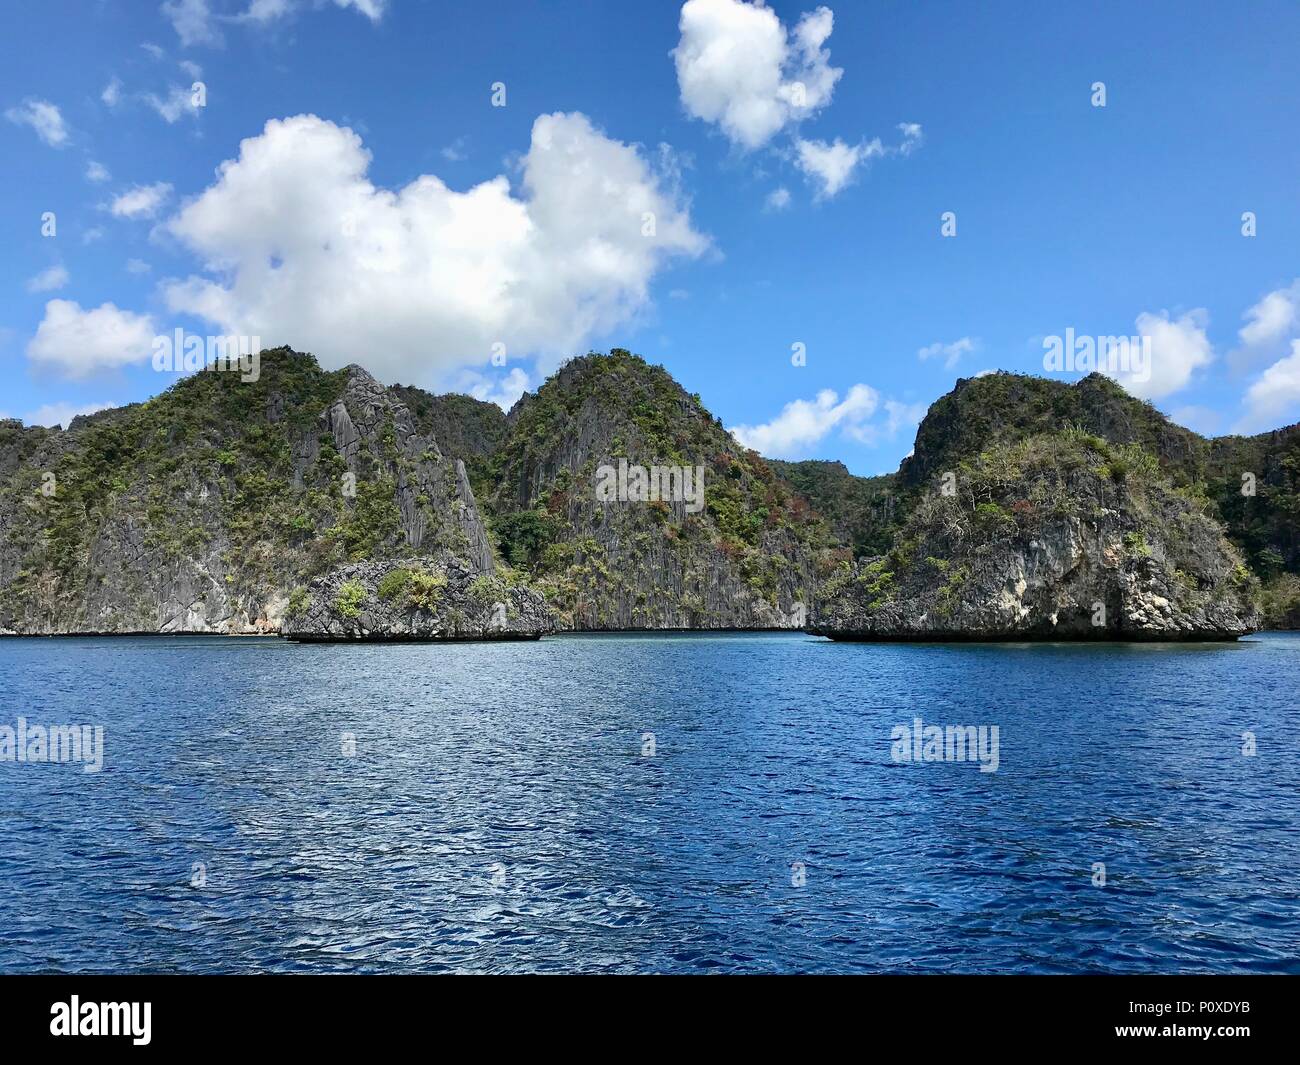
193	22
153	50
78	342
44	117
191	69
179	101
1269	324
455	151
504	392
950	353
1274	398
97	172
143	201
679	294
777	200
372	9
93	234
53	414
830	167
740	69
1179	347
112	94
911	137
264	11
48	280
137	266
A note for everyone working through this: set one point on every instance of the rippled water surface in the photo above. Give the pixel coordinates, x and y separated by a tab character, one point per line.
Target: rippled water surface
499	813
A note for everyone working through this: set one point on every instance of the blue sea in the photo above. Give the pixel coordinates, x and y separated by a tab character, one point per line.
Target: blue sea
652	803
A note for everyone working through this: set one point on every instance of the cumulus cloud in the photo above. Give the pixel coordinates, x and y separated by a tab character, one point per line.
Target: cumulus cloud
1270	323
1179	347
1275	396
950	353
425	279
62	413
830	167
48	280
112	94
737	67
97	172
143	201
137	266
44	117
803	423
77	342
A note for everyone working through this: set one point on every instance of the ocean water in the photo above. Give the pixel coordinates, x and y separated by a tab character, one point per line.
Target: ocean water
501	807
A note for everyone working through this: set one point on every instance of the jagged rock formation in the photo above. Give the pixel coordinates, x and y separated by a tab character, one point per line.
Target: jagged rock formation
207	508
200	510
744	557
415	599
1054	536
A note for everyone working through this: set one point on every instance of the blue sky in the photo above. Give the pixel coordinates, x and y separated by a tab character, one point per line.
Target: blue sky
796	160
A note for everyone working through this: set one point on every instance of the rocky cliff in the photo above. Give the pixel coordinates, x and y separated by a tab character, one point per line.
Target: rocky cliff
743	555
439	598
202	509
1057	535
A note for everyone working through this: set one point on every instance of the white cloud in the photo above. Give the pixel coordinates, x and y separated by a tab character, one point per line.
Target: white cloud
1272	317
912	137
1178	349
190	68
264	11
193	21
738	68
78	342
425	279
803	422
372	9
1269	324
903	415
950	352
112	94
48	280
178	102
62	413
777	199
455	151
137	266
93	234
1275	396
504	392
830	167
44	117
153	49
143	201
97	172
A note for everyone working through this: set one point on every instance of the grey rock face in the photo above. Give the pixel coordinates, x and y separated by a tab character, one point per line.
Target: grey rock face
1039	543
415	599
200	510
